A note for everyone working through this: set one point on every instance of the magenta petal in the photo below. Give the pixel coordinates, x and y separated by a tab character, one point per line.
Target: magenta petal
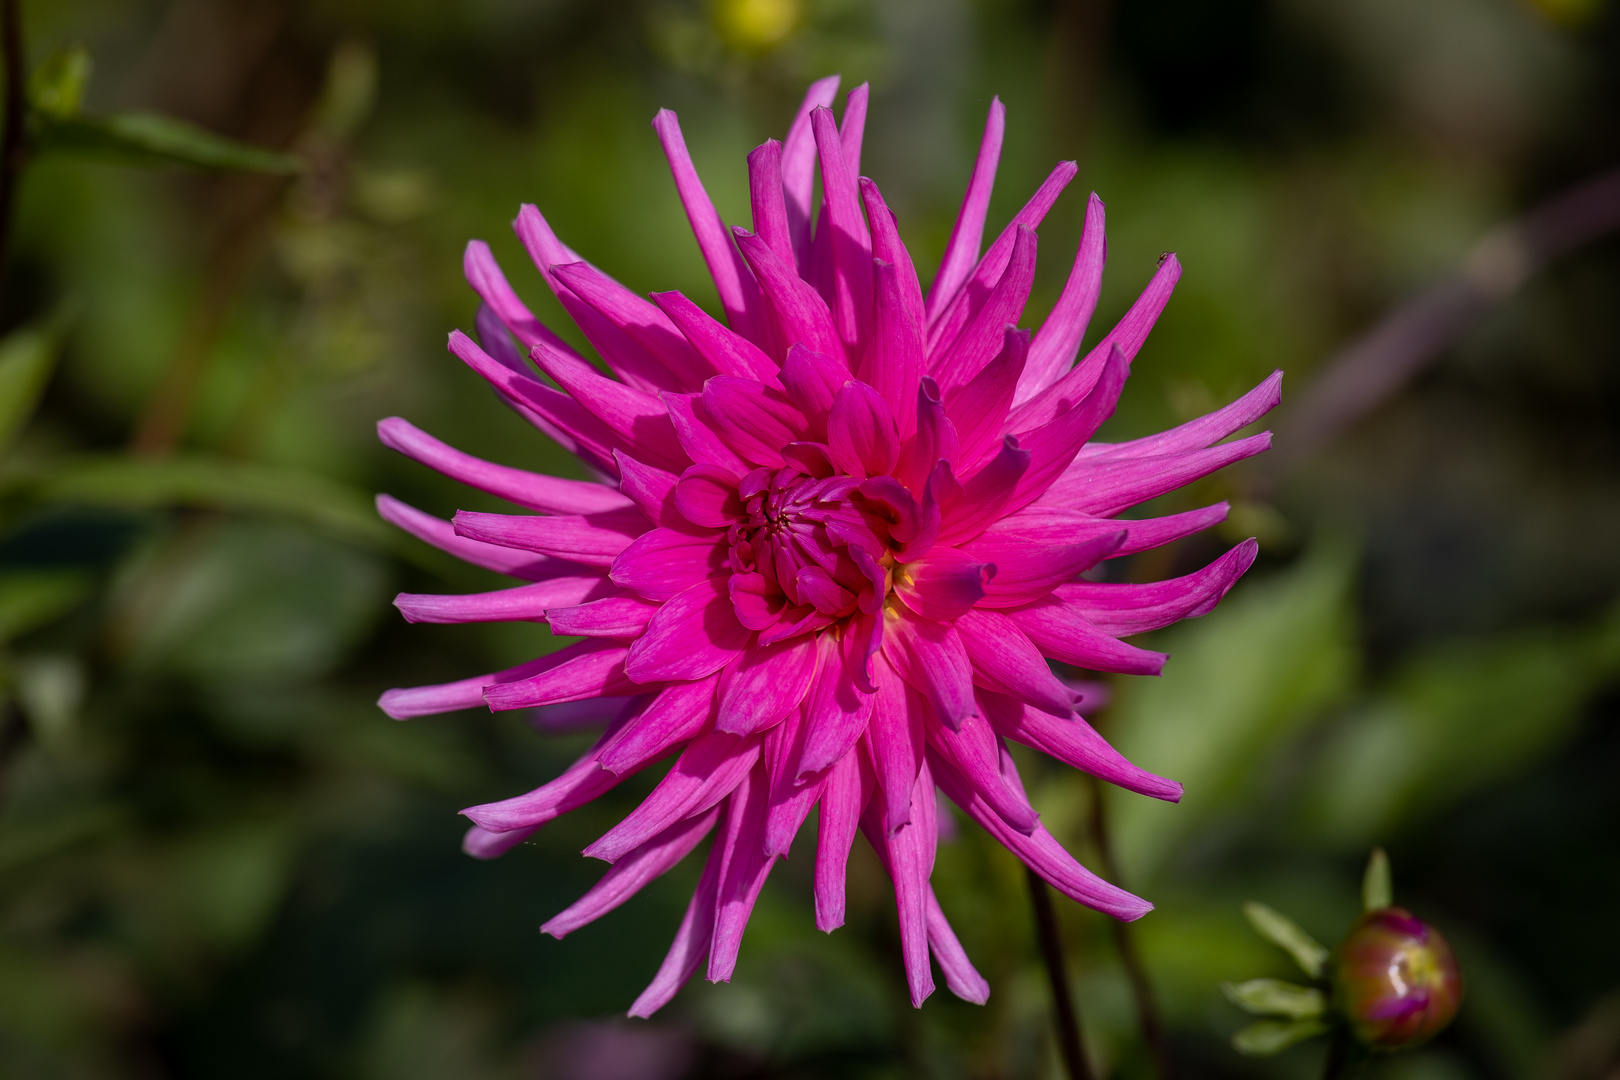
484	274
639	319
888	248
403	704
1122	610
1058	342
1005	661
862	437
526	602
533	399
579	784
766	199
961	977
962	249
590	668
930	656
851	243
1025	572
844	796
638	419
1054	445
1108	486
697	438
985	496
1205	431
958	361
547	494
943	584
652	489
837	711
706	495
622	617
630	874
979	409
664	562
908	855
727	351
896	744
765	684
753	421
691	943
791	801
799	165
739	294
745	873
593	540
975	752
1062	633
893	362
694	634
442	535
802	314
483	844
812	381
1075	743
706	772
679	713
935	440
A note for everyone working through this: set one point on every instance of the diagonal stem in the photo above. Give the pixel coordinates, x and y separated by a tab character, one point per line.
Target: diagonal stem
1065	1018
1147	1008
14	134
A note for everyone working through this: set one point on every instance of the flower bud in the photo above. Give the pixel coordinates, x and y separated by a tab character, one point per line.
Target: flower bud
1395	979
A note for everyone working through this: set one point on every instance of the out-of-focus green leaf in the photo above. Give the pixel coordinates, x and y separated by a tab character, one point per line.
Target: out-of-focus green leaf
22	845
211	483
30	600
56	88
1266	1037
1453	720
1377	888
1240	681
1288	935
27	358
1273	997
148	138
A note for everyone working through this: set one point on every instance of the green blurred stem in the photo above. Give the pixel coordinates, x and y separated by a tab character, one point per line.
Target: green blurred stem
1065	1018
13	144
1338	1055
1147	1007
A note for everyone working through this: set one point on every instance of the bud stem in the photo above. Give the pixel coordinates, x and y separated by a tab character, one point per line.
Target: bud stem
1065	1019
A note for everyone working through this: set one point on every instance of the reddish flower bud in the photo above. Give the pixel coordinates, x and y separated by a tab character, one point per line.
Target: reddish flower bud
1395	979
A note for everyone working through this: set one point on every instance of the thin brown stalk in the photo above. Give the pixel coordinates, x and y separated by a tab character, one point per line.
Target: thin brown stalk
14	135
1065	1018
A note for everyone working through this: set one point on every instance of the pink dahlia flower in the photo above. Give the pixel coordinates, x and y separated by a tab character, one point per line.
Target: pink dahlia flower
834	541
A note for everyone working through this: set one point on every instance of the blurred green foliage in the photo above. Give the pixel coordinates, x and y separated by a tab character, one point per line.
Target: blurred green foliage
218	859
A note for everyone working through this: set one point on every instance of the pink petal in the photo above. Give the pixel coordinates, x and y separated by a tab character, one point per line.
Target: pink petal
706	495
844	795
908	855
652	489
1075	743
697	438
751	420
590	668
583	781
691	943
888	247
961	977
548	494
725	350
985	496
408	702
739	294
893	361
442	535
638	419
592	540
763	685
1122	610
935	441
837	711
666	562
483	844
790	802
962	250
623	617
630	874
745	873
1058	342
526	602
958	361
799	164
1205	431
802	314
1062	633
694	634
707	771
679	713
1005	661
1105	487
639	319
1024	571
1053	446
943	584
896	744
851	243
930	656
861	433
979	409
975	753
812	381
484	274
852	128
767	201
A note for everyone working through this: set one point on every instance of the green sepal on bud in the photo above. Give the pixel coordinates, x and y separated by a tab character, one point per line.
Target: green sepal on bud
1264	1038
1288	935
1273	997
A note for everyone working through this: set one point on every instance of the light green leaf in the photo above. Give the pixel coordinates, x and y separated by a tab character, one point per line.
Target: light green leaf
1285	933
1273	997
212	483
1266	1037
148	138
30	600
56	87
27	358
1377	888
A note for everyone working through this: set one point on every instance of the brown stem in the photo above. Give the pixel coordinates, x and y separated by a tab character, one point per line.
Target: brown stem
1338	1056
1147	1007
1375	366
14	136
1065	1019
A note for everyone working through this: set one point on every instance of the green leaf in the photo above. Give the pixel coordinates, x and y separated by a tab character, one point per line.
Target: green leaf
30	600
1285	933
1273	997
1377	889
56	88
1266	1037
27	358
211	483
148	138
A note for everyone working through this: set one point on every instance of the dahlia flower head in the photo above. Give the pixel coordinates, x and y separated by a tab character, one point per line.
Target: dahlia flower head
832	543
